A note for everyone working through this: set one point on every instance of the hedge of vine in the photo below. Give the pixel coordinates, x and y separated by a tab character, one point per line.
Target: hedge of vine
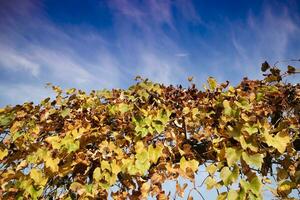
79	145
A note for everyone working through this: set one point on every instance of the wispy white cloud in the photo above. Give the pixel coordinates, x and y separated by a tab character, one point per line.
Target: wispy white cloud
181	54
147	39
263	37
14	60
12	94
145	14
32	45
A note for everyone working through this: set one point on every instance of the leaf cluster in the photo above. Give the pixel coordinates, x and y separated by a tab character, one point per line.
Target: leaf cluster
80	146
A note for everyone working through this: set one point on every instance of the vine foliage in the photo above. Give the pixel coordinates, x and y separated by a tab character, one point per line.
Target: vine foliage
125	143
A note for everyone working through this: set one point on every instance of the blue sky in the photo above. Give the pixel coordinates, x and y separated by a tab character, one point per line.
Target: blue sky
95	44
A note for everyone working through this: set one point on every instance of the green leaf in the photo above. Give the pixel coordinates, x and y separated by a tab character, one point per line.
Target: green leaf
72	147
255	185
245	185
34	193
142	156
163	116
225	175
235	173
65	112
212	83
254	159
158	126
89	188
142	167
123	108
155	153
227	108
16	135
232	155
70	144
5	120
250	129
97	174
243	104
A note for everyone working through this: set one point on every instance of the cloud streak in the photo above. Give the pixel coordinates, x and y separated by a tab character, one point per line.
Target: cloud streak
166	41
270	34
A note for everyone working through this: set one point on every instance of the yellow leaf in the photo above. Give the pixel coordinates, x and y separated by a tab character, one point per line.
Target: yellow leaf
54	141
210	183
115	167
279	141
222	196
227	108
3	154
211	169
232	155
105	165
212	83
139	147
77	133
52	163
254	159
97	174
154	153
21	165
192	164
232	195
226	175
77	187
38	177
183	163
186	110
145	189
285	188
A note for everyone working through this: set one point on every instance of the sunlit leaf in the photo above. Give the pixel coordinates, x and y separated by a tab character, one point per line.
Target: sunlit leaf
279	141
211	169
38	177
97	174
210	183
233	155
254	159
225	175
3	153
255	185
232	195
227	108
212	83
